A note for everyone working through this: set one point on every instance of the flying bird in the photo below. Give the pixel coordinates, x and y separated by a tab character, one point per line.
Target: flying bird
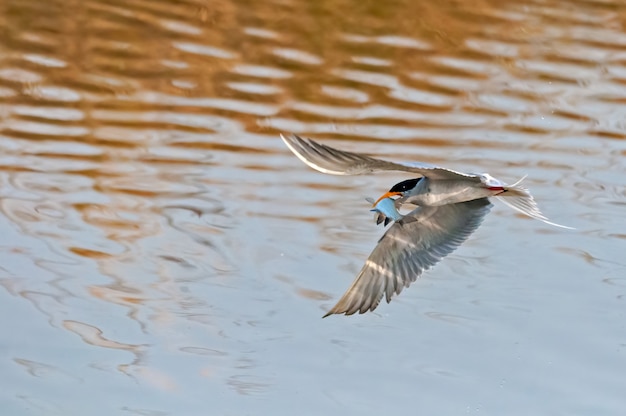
448	207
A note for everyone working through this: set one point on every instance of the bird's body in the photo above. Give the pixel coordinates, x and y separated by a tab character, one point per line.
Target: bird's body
432	193
450	207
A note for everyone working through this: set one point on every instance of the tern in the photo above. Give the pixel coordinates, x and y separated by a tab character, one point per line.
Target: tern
448	207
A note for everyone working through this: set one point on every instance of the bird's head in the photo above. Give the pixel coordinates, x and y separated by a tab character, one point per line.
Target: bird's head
400	189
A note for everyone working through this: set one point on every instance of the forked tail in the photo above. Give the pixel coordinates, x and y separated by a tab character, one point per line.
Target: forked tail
520	199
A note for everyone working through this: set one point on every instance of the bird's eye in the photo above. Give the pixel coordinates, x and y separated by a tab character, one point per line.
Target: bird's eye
405	185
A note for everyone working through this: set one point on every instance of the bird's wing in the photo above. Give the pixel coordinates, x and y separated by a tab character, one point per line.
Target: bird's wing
411	246
333	161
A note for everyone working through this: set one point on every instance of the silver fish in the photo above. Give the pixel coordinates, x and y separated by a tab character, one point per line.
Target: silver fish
385	210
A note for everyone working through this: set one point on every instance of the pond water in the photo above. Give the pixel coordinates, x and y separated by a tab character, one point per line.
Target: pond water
165	254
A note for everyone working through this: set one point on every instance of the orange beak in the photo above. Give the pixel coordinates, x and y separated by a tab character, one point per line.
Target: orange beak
387	195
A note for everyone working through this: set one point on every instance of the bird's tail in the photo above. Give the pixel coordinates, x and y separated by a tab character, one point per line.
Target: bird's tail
520	199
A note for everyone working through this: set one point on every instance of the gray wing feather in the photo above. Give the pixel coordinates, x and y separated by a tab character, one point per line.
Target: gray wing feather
410	247
333	161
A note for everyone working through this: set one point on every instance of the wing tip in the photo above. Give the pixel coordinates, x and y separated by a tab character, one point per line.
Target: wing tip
342	309
290	140
289	137
346	312
306	149
337	310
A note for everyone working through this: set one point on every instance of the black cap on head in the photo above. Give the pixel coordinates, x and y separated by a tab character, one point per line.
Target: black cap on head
405	185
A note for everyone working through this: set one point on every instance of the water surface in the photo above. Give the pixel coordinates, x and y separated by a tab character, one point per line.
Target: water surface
165	254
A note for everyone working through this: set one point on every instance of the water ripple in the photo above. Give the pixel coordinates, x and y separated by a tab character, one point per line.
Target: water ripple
388	40
155	225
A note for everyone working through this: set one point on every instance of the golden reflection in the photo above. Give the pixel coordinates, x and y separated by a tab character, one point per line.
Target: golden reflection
141	169
313	294
94	336
92	254
43	370
121	295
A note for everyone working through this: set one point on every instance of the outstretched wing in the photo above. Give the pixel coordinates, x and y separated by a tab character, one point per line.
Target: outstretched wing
410	247
333	161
